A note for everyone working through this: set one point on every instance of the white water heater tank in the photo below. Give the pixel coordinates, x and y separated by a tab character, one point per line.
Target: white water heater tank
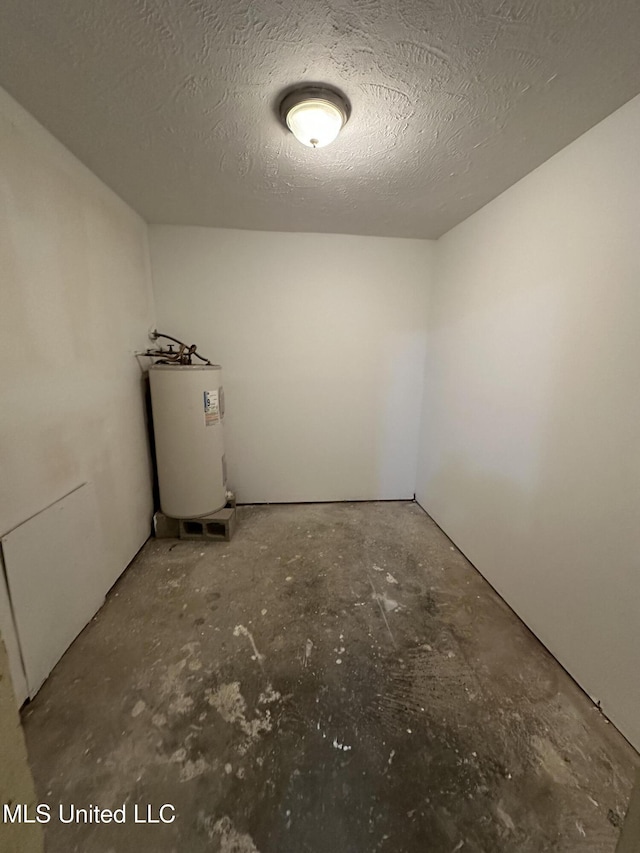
188	411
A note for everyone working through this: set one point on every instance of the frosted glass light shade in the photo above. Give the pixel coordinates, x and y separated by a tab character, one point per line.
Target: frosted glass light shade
314	113
315	122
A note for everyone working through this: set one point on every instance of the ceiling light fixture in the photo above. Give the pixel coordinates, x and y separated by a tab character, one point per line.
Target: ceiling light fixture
315	114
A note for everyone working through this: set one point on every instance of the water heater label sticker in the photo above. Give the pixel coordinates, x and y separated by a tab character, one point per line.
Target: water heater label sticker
211	408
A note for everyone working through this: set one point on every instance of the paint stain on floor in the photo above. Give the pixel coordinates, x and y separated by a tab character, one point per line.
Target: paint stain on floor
337	679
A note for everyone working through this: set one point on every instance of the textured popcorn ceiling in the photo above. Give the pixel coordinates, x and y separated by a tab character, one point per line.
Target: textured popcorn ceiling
171	102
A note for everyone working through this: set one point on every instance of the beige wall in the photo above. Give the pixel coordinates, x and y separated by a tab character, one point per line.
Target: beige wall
16	782
530	443
321	339
76	304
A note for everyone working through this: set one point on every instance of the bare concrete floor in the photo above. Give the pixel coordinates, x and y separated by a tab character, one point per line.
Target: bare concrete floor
338	679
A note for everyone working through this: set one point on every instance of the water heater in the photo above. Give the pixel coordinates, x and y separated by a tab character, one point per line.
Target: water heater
188	411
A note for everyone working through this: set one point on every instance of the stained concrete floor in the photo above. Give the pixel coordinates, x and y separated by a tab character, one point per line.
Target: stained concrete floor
337	679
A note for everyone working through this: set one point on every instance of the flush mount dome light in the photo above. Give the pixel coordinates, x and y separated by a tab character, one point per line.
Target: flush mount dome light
314	114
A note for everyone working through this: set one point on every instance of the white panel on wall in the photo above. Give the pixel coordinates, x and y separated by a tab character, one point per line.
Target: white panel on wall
321	339
76	304
10	638
530	440
55	568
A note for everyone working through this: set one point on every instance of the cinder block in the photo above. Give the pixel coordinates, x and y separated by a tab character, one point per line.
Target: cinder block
219	526
165	527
